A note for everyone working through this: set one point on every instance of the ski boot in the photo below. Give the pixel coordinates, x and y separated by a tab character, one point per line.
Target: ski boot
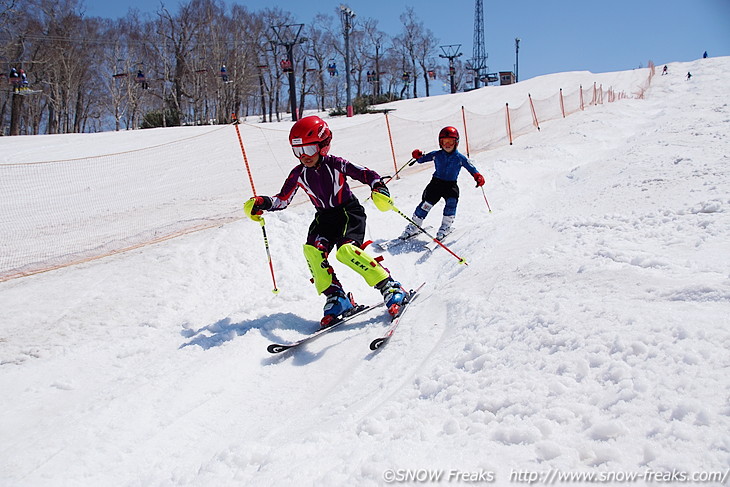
445	228
411	230
337	305
393	294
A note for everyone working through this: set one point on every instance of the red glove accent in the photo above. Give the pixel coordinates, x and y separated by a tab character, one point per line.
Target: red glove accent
417	153
258	203
479	179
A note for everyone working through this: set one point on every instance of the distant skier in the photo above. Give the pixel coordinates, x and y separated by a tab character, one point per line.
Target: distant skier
14	79
142	80
339	220
664	71
689	75
448	163
704	56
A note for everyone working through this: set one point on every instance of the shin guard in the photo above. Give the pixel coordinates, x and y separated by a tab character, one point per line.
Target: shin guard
319	267
358	260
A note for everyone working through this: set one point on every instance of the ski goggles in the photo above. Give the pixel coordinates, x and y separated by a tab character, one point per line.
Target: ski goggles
305	150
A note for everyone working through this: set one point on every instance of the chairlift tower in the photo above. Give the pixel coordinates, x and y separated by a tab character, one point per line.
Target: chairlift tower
479	55
288	36
451	52
347	16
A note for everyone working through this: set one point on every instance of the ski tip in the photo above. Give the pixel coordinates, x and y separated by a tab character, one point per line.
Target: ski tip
377	343
276	348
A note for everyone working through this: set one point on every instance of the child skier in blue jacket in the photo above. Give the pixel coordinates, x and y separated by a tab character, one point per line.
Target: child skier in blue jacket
448	162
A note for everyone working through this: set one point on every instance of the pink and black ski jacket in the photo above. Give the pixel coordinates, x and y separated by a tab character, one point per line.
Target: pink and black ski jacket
326	184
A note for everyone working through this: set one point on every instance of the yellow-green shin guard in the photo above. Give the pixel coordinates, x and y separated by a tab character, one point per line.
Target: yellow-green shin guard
358	260
319	267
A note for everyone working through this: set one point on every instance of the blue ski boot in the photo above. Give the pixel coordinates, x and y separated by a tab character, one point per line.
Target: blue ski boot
393	295
337	304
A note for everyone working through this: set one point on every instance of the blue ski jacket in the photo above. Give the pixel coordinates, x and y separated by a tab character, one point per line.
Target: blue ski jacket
447	166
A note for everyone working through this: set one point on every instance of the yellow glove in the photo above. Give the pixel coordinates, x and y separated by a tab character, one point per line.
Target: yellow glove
255	207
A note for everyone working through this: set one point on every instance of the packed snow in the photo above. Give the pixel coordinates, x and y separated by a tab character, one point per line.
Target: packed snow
588	333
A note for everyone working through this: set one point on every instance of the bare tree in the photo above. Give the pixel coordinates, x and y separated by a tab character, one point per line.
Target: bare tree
180	33
407	43
246	47
374	45
424	50
319	50
6	10
84	69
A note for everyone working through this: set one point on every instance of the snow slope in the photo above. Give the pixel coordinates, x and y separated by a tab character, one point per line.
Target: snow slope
589	332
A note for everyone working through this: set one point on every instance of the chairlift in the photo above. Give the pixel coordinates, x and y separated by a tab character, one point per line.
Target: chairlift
25	91
118	73
286	66
124	74
14	77
18	81
141	79
332	68
224	74
491	78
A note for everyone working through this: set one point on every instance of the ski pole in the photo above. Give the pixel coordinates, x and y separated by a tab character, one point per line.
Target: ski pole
485	199
385	203
390	178
268	254
411	161
461	260
253	188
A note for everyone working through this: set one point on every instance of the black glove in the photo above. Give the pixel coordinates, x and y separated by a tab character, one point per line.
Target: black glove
261	204
381	188
254	207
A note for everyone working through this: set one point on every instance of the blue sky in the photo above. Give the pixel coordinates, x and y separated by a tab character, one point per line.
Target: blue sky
557	36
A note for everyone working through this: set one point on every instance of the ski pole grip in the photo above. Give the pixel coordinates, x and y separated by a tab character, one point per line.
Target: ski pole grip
382	202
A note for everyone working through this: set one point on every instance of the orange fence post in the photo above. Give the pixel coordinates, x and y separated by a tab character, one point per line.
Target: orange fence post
534	115
595	98
509	126
581	97
392	148
466	132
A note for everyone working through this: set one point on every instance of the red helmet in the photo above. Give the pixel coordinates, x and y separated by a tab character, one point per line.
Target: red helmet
449	133
311	130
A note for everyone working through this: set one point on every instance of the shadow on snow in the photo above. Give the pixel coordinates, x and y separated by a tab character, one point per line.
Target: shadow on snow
225	330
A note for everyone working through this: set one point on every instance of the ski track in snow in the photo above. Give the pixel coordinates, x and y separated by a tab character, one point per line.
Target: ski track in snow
588	332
